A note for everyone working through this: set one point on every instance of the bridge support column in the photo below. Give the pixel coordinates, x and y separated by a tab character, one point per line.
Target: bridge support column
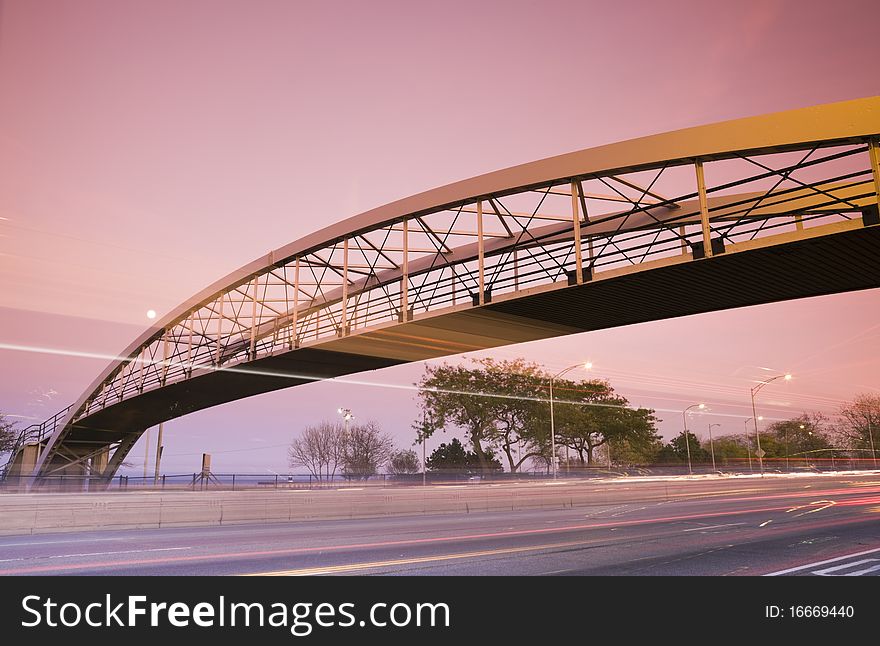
23	465
100	461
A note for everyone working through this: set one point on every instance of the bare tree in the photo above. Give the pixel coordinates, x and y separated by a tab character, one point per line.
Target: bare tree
860	424
404	462
319	449
7	434
366	450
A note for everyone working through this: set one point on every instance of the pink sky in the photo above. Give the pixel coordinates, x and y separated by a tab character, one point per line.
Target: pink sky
148	148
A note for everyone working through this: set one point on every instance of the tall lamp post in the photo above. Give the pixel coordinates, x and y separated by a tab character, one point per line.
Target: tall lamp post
871	434
585	366
712	445
754	391
748	449
347	416
687	441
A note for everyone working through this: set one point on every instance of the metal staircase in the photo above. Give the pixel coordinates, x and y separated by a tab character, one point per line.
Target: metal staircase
33	434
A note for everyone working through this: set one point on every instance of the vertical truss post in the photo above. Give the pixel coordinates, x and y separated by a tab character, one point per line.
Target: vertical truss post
189	345
576	220
141	370
481	253
704	209
253	320
344	315
515	270
874	152
684	244
165	355
219	331
404	278
294	339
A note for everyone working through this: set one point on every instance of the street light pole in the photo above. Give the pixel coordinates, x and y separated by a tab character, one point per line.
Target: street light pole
754	391
347	416
553	378
712	445
687	441
424	442
748	448
871	437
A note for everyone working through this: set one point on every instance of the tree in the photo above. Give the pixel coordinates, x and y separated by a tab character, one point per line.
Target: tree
495	403
454	458
320	449
8	434
732	447
859	426
678	447
404	462
625	450
802	437
589	415
365	450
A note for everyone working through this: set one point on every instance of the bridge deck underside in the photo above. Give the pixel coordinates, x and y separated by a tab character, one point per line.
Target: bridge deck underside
817	266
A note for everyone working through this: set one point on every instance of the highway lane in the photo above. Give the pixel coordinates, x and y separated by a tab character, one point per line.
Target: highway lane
826	525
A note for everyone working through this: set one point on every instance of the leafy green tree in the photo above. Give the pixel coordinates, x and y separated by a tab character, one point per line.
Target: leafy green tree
627	451
589	415
404	462
495	403
676	450
454	458
801	437
504	405
732	448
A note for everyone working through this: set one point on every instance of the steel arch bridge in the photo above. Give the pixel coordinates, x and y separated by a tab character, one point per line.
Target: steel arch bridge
750	211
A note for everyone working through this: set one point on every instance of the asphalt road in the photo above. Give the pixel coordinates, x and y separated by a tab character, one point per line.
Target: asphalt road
822	525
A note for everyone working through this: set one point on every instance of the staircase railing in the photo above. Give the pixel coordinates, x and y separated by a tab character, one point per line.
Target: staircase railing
33	434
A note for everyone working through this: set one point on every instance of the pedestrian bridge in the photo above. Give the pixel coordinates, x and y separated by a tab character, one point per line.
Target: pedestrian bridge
751	211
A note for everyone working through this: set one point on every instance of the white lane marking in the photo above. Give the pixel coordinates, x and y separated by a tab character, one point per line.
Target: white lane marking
865	571
72	540
818	563
765	523
700	529
827	571
69	556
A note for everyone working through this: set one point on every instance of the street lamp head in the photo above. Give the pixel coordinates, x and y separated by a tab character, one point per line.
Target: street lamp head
760	418
802	426
788	376
588	365
701	406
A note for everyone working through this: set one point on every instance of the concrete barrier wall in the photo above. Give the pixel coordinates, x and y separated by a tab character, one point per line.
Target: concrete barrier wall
59	512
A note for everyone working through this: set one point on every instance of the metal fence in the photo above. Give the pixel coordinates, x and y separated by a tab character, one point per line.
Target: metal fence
835	461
